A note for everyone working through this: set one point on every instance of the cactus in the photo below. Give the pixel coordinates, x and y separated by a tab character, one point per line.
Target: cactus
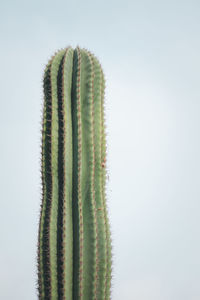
74	244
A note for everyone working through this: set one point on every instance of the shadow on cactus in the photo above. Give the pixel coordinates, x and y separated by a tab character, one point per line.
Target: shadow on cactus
74	245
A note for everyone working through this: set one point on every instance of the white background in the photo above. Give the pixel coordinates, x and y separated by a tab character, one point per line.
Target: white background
150	53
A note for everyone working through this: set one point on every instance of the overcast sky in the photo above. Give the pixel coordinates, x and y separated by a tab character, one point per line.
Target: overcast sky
150	53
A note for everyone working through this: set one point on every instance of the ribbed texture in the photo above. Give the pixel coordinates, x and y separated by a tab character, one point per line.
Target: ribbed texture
74	245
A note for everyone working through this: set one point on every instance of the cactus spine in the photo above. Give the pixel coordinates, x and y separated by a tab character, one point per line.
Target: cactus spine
74	248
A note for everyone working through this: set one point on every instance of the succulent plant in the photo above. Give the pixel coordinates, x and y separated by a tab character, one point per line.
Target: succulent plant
74	244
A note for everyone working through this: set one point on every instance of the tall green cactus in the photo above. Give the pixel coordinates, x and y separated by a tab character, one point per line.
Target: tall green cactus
74	245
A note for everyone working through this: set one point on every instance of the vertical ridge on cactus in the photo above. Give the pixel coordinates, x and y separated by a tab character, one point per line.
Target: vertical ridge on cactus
74	244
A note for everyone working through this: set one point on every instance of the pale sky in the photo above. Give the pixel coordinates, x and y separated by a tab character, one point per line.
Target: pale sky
150	53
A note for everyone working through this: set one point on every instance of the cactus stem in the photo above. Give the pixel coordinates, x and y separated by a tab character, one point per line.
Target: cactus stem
74	246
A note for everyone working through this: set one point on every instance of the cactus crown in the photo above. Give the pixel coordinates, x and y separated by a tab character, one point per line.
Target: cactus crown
74	245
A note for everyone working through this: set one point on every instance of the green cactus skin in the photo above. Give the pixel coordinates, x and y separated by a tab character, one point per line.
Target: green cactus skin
74	244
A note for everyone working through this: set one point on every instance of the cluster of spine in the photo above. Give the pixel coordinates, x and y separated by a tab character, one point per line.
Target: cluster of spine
74	248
